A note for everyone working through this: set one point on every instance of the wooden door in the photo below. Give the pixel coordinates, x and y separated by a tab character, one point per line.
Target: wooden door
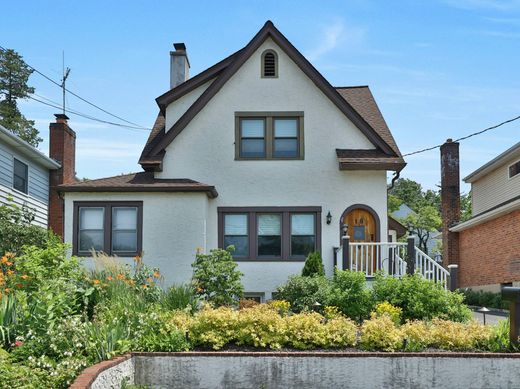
362	228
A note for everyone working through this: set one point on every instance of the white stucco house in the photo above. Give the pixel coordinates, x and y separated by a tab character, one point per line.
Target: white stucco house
258	151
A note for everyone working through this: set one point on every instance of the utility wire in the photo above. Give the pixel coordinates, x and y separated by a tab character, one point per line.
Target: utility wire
135	125
465	137
88	116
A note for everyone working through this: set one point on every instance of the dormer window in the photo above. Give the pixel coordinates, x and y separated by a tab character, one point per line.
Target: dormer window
269	64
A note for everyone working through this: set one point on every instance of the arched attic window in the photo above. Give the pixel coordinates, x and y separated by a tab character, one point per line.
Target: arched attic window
269	64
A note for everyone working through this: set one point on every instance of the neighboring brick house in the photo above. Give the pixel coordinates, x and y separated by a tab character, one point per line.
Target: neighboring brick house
489	242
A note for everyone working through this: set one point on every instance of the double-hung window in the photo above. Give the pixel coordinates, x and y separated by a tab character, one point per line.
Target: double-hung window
270	233
269	135
20	176
114	228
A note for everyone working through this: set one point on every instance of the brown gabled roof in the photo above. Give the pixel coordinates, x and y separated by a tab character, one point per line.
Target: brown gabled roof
362	100
139	182
152	155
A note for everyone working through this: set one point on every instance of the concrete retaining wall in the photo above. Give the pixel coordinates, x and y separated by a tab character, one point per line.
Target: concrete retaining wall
303	370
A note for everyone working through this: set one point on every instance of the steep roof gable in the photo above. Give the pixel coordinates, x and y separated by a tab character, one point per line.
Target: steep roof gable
153	153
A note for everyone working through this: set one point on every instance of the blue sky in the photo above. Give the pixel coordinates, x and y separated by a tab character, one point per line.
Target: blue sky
438	69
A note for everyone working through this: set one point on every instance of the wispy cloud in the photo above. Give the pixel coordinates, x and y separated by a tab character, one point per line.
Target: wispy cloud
331	37
504	21
106	150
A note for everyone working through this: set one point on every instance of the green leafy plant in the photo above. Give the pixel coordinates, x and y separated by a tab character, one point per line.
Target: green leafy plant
351	295
482	298
385	308
181	297
313	265
380	333
216	277
305	293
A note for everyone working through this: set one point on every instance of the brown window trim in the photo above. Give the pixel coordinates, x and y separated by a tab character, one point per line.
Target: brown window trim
269	117
286	230
107	225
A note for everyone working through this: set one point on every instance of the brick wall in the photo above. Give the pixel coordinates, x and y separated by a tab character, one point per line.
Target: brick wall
490	252
62	148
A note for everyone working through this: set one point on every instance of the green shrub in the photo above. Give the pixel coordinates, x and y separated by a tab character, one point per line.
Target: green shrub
420	298
304	292
481	298
350	294
216	277
214	327
155	334
261	326
417	335
451	335
181	297
313	265
380	333
17	230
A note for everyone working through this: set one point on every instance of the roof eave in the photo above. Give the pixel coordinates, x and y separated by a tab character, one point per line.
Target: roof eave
210	191
493	164
388	166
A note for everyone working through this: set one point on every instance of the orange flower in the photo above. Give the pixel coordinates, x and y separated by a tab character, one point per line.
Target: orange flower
149	279
137	259
9	264
130	282
110	278
96	282
9	255
120	276
19	286
144	286
4	260
156	274
24	277
7	290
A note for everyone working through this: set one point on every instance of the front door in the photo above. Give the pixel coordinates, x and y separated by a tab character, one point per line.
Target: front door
362	228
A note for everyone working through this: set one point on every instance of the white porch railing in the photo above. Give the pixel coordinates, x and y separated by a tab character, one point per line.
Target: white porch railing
389	257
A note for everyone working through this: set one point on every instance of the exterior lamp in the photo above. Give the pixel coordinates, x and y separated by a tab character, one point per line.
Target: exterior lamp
329	218
316	305
344	228
483	311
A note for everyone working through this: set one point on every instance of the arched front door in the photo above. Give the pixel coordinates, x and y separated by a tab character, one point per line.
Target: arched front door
363	227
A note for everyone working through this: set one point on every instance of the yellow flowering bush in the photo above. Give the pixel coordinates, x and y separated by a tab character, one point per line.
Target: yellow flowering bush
385	308
380	333
281	306
451	335
214	327
340	332
417	335
261	326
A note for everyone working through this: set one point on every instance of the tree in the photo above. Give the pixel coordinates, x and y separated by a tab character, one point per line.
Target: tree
14	74
423	222
313	265
409	192
465	206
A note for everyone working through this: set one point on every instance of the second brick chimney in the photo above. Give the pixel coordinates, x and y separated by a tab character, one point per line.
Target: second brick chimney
62	148
450	200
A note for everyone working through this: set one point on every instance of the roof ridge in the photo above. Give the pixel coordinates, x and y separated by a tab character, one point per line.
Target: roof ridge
352	87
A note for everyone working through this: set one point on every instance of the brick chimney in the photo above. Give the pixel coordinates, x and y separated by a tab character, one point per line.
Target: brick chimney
179	65
450	200
62	148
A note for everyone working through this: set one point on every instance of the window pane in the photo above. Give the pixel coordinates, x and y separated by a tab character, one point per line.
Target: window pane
302	224
241	244
286	128
286	147
124	241
252	128
124	218
252	148
19	184
270	246
302	245
89	240
91	218
269	224
235	224
20	169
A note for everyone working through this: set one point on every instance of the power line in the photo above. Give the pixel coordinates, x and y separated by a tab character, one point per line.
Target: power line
465	137
135	125
88	116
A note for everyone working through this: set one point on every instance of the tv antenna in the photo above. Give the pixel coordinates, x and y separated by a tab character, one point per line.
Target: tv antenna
66	72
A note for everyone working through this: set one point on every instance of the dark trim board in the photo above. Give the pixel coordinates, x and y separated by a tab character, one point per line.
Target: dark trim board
286	230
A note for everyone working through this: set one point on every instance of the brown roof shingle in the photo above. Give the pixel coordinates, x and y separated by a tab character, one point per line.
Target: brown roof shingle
374	159
139	182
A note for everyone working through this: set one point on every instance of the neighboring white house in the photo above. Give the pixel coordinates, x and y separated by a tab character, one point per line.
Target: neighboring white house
24	176
258	151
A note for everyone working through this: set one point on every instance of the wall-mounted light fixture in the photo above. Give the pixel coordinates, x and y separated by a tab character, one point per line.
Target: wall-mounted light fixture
329	218
345	229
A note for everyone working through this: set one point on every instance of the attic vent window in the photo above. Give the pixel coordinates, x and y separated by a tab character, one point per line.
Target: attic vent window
269	64
514	169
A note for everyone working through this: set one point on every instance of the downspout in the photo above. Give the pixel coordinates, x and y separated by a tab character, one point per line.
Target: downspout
396	177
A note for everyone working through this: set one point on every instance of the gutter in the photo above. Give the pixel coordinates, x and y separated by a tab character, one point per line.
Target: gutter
490	215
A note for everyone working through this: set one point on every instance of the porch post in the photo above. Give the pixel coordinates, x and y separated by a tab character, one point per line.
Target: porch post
512	294
335	250
453	269
391	259
346	252
410	256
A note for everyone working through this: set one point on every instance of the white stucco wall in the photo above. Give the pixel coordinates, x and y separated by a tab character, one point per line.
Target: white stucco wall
204	151
174	226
